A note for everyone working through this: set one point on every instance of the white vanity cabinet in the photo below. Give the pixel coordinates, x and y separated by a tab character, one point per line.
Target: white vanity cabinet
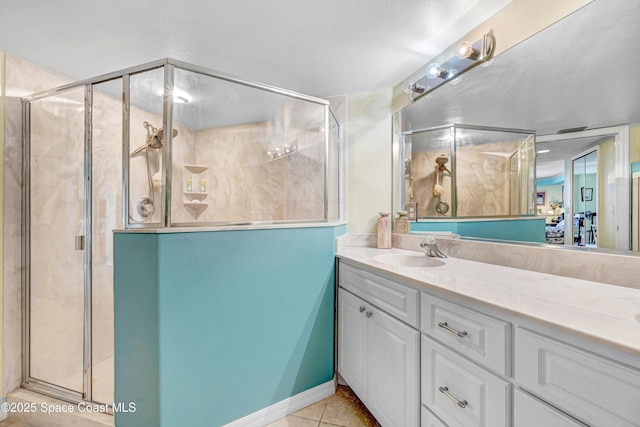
530	412
593	389
459	391
462	392
478	366
378	356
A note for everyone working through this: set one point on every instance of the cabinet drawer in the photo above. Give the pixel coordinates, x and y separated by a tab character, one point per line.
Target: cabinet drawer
427	419
530	412
399	301
595	390
479	337
483	398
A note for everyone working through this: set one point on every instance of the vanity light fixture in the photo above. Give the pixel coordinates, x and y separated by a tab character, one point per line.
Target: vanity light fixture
282	150
467	56
542	151
435	71
465	50
411	86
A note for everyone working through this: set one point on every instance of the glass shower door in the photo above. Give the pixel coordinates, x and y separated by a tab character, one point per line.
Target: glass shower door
57	228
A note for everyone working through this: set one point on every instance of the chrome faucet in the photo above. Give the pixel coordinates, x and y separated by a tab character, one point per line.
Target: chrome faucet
430	247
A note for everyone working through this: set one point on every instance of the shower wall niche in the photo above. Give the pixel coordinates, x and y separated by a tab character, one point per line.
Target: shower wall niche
458	171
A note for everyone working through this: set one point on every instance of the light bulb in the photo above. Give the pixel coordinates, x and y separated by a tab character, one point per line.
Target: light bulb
465	50
434	71
451	73
411	86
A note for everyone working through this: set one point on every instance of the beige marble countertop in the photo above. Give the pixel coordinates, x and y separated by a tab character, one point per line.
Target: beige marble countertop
606	314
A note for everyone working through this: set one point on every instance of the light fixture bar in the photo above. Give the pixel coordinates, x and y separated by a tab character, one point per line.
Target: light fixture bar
468	56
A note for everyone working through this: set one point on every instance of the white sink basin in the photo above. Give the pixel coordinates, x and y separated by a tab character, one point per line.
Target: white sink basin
404	260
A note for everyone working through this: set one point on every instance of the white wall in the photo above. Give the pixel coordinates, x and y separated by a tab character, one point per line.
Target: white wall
368	159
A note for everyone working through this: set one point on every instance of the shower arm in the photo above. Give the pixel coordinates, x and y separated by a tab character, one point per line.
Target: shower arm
139	149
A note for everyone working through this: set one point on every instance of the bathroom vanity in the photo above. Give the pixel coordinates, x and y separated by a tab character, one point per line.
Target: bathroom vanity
468	344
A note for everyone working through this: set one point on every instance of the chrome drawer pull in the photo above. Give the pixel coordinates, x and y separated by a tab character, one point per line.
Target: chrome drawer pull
445	326
460	403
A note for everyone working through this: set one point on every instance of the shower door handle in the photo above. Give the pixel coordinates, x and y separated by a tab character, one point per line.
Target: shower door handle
79	243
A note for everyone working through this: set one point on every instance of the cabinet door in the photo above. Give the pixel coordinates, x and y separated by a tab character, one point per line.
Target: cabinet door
352	342
427	419
597	391
393	370
530	412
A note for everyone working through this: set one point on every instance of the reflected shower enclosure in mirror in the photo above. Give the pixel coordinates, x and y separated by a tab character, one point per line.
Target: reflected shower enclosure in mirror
553	84
467	171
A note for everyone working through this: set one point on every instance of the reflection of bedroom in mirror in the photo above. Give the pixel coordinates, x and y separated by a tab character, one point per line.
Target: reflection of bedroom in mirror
577	172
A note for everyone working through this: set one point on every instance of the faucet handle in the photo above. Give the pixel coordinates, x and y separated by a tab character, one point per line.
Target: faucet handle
429	240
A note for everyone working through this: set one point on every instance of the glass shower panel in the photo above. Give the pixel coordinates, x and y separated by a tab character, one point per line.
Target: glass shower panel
484	172
522	179
426	184
333	178
244	154
56	198
106	164
145	145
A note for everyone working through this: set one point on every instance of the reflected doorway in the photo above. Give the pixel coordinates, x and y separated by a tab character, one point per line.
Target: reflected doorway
583	189
585	198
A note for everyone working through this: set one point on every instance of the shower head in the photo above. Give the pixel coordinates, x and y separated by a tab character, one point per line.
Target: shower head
154	138
155	135
442	160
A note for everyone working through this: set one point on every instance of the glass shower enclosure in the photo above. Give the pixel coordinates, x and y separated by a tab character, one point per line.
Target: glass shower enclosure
162	145
464	171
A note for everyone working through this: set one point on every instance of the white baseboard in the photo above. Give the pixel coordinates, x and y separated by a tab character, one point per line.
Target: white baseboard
286	407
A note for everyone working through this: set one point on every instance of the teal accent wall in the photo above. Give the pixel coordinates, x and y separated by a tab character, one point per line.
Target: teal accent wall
525	230
136	343
213	326
556	180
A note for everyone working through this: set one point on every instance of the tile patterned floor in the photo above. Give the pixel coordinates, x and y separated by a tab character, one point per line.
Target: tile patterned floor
343	409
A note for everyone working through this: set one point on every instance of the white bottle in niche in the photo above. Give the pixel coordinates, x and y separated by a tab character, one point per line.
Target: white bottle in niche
384	230
402	223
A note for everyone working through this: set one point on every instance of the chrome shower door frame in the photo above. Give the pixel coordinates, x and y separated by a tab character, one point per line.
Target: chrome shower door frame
85	241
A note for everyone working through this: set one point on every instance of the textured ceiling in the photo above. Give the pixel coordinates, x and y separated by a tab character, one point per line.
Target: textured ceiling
321	48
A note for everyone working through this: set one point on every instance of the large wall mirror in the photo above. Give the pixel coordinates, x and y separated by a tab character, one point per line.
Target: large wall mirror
576	84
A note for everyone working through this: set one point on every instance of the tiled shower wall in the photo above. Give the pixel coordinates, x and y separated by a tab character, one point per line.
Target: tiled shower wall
482	181
243	183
